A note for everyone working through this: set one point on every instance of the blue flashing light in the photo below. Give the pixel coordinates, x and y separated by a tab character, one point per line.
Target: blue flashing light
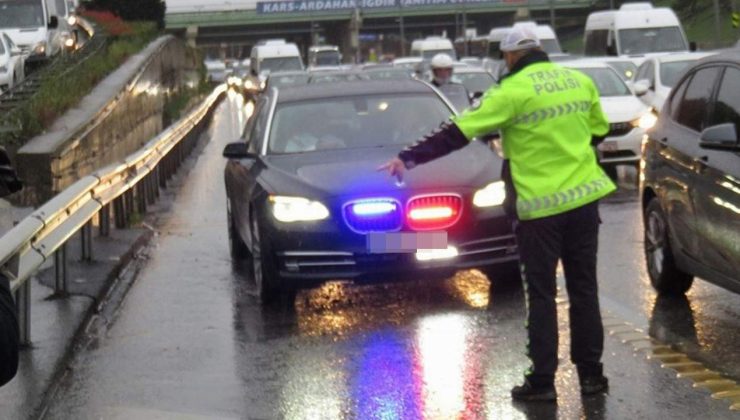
373	208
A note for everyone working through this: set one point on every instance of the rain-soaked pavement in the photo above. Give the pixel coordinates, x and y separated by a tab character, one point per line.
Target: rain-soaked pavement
190	342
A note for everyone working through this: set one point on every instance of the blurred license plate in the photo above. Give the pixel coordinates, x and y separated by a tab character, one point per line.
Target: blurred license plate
609	146
387	242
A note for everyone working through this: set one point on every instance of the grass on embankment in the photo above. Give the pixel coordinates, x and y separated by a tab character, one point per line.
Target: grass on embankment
56	95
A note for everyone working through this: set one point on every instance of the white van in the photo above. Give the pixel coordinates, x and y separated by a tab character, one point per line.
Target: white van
35	26
494	41
636	29
428	47
273	57
548	39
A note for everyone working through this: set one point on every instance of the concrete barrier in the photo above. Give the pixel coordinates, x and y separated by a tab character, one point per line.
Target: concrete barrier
121	114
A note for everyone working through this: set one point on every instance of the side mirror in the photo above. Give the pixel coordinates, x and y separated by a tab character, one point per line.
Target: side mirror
720	137
15	52
53	22
641	87
238	150
692	46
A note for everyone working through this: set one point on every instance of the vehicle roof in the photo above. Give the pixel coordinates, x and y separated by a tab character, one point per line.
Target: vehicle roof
407	60
432	43
470	69
288	73
323	48
684	56
355	88
585	64
651	18
727	56
276	50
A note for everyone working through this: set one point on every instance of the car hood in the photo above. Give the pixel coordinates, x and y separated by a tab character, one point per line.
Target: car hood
27	36
622	108
354	172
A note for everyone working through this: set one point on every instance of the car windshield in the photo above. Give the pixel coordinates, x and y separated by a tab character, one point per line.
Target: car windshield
429	54
607	82
626	69
21	14
670	72
355	122
550	46
278	80
475	82
649	40
328	58
280	64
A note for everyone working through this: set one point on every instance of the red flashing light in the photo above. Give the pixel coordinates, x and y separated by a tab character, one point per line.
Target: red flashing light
433	212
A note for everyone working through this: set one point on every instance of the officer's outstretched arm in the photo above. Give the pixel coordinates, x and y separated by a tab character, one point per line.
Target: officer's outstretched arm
445	139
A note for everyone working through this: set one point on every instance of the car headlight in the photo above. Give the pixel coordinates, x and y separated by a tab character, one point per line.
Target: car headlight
493	194
262	85
248	84
297	209
39	48
72	20
647	121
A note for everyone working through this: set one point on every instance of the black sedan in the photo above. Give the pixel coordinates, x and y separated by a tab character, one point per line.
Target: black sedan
307	204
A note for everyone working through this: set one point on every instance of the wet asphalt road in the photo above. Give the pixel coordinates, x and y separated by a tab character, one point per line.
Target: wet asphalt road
190	341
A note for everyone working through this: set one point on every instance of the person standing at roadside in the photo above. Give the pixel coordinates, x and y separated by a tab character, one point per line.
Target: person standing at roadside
549	118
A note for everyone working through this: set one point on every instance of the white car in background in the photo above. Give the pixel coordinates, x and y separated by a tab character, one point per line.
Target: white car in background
657	75
628	117
215	70
12	63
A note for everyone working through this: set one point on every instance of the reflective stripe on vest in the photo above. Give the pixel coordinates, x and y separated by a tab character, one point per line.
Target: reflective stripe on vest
593	189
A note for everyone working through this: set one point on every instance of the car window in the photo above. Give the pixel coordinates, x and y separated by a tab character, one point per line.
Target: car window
642	71
693	108
355	122
258	131
727	107
677	97
607	81
670	72
596	42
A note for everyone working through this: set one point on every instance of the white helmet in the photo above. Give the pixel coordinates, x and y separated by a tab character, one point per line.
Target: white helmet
442	61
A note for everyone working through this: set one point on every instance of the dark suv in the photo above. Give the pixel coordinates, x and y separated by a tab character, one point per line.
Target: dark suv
691	180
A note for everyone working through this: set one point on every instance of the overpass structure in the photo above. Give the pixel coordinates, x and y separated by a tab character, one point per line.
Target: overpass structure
388	26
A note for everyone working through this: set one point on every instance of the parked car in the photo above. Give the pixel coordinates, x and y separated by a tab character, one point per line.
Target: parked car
215	70
12	63
657	76
691	180
628	117
305	199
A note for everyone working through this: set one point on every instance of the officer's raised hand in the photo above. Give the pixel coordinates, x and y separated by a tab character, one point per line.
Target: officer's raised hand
395	167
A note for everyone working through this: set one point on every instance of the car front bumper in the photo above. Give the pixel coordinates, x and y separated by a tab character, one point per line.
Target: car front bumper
623	149
307	254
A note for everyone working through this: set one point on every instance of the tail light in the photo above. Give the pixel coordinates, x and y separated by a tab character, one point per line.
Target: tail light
433	212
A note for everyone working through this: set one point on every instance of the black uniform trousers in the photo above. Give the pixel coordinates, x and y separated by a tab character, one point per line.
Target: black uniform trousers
573	237
8	333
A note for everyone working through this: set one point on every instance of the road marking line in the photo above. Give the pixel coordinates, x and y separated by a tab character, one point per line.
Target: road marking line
720	387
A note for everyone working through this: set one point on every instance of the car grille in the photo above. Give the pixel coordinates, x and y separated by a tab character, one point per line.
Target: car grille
375	215
619	129
433	212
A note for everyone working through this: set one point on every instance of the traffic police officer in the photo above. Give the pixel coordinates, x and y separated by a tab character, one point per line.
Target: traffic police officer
549	118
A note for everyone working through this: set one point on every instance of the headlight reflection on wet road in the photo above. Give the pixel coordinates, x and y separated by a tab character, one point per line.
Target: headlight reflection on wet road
415	360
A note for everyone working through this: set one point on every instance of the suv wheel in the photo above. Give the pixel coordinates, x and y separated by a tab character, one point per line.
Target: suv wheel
665	275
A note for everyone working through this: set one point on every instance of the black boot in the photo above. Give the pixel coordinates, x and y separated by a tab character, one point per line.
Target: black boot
528	392
591	385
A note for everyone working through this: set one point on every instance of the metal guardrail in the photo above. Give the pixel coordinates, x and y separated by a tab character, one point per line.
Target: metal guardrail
127	186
